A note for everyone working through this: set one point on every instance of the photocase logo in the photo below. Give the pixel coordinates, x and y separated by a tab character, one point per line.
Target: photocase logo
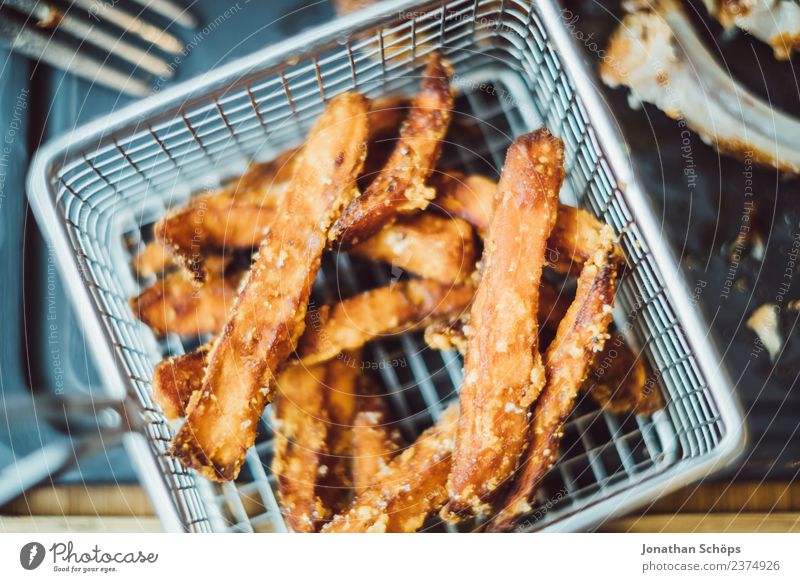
31	555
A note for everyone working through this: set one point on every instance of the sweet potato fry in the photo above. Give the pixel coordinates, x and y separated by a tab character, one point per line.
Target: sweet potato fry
341	403
340	459
409	489
449	334
177	304
386	115
323	438
572	241
469	197
386	310
503	371
301	444
433	247
620	381
233	218
438	248
575	239
374	441
400	187
176	379
269	315
346	326
581	335
452	334
154	260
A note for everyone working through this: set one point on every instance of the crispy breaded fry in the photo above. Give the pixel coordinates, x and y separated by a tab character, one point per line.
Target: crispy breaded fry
452	334
433	247
154	260
173	386
269	315
620	381
572	241
581	335
410	488
341	401
301	444
386	116
353	322
386	310
374	441
400	187
176	378
448	335
503	371
427	245
235	217
177	304
470	198
342	391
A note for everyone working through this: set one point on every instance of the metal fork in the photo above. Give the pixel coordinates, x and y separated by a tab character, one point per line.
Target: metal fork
89	425
29	26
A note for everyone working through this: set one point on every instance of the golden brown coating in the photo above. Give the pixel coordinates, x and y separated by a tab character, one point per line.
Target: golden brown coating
178	304
431	246
235	217
347	325
341	402
337	442
154	261
581	335
448	334
176	378
344	372
400	187
451	334
469	197
572	241
575	238
383	311
374	440
299	392
409	489
503	371
301	444
268	317
620	381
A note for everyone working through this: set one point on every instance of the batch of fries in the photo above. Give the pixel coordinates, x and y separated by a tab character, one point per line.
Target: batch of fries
239	264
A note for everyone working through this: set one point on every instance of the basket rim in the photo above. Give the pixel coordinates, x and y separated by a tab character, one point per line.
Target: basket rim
732	443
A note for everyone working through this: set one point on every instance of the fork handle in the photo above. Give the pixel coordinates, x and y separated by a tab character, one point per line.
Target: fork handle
78	417
49	462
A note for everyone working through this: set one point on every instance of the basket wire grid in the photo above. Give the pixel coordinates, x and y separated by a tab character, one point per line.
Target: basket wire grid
102	192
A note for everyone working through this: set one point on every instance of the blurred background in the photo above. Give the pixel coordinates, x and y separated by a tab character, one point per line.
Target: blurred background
43	350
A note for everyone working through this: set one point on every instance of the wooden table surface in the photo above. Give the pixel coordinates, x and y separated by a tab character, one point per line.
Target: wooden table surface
716	507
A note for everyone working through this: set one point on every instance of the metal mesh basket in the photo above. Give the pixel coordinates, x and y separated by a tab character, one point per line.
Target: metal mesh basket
96	192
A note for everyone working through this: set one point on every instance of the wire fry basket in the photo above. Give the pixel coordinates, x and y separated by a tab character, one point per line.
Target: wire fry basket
97	191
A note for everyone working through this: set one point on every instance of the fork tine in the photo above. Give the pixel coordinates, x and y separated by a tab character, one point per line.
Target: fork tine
116	46
131	23
171	10
49	17
41	47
